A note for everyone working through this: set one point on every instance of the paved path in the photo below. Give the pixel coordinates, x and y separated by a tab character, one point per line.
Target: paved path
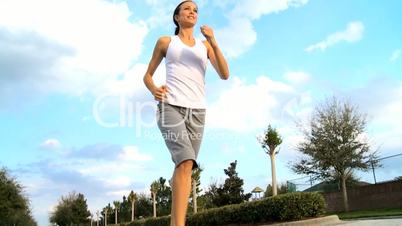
372	222
333	220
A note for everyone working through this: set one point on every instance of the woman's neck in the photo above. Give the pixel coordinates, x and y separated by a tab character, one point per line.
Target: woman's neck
186	33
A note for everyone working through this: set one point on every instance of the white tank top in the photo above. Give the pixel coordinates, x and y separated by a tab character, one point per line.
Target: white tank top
185	73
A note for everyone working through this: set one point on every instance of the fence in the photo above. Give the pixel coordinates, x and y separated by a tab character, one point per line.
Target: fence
390	169
300	184
373	196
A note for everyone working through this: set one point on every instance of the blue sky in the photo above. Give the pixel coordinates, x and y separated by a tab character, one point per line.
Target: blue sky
76	115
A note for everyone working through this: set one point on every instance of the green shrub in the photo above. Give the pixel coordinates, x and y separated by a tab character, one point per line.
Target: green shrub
287	207
158	221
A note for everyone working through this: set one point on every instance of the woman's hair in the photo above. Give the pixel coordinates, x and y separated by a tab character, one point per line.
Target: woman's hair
176	12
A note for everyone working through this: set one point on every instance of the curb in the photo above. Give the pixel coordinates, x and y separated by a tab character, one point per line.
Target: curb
374	218
320	221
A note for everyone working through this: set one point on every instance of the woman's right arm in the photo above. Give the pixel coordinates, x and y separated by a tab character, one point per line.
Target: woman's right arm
159	52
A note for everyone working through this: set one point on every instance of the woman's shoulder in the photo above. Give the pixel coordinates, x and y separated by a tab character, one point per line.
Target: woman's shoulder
164	40
162	44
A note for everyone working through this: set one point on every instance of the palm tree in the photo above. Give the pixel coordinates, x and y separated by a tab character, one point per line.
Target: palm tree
195	184
269	143
154	190
107	210
91	218
132	197
116	208
97	218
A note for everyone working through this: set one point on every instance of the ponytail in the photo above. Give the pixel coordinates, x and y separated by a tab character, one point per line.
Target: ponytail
176	31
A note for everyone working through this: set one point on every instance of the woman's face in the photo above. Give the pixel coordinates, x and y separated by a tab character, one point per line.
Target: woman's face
188	14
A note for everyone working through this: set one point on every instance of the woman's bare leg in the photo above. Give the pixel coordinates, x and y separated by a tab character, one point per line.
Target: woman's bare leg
181	187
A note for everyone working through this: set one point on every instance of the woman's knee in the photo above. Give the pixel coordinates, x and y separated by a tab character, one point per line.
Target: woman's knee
186	166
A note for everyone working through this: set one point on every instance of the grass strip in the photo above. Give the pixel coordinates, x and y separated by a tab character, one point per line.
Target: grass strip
369	213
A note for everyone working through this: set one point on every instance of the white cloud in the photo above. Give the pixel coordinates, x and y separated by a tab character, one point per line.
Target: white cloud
114	174
107	159
120	181
245	107
395	55
223	3
131	82
381	99
161	11
103	161
257	8
236	45
299	107
127	101
240	23
95	42
100	180
131	153
240	17
51	144
353	33
297	77
387	124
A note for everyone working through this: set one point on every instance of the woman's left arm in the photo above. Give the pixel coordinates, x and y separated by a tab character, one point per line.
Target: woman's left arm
214	53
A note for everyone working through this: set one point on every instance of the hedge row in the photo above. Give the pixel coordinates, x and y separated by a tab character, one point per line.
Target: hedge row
287	207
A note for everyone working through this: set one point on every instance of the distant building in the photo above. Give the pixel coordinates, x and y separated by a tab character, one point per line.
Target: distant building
256	191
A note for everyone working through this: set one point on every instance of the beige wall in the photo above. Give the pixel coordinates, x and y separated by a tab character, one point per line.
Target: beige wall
374	196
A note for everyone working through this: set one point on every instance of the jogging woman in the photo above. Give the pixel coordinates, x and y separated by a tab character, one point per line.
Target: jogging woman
181	106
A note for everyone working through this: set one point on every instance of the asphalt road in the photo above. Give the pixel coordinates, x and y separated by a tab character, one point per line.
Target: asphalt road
372	222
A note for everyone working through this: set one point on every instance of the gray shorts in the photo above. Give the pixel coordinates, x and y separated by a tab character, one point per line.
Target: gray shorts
182	129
